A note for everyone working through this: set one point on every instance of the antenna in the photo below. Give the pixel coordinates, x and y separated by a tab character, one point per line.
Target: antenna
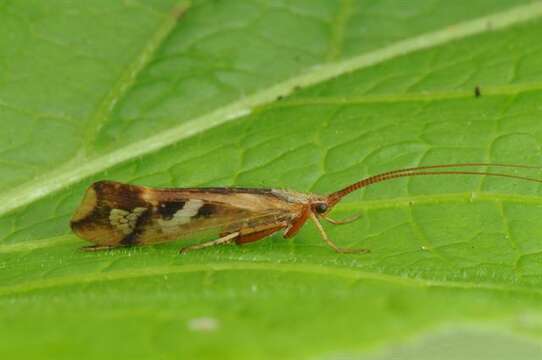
335	197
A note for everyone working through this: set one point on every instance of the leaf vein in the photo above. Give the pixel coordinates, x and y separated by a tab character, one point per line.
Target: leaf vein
338	272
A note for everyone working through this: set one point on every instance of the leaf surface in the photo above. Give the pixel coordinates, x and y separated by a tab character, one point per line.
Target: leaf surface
307	95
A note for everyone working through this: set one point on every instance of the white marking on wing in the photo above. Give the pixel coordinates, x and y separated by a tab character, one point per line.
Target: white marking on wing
181	217
125	221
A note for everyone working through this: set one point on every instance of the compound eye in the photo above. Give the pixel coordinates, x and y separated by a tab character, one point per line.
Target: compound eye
320	208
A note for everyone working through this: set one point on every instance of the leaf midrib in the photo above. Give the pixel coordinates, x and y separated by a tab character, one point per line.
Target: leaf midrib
129	76
75	171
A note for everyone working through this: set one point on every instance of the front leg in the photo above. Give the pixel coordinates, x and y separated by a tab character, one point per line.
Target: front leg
331	243
243	236
92	248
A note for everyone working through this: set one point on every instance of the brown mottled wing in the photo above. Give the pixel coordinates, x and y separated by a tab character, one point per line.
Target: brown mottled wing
113	213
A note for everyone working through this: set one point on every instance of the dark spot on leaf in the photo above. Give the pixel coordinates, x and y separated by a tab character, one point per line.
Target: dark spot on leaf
477	91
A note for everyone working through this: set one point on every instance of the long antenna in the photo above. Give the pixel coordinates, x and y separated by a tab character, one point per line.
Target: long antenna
425	167
333	198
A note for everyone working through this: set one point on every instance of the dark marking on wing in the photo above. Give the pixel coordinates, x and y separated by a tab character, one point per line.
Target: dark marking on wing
167	209
206	211
119	195
98	215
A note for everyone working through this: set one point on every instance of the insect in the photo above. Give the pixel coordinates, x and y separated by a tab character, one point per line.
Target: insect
114	214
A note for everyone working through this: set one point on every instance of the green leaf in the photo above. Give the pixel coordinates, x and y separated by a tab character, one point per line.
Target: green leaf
307	95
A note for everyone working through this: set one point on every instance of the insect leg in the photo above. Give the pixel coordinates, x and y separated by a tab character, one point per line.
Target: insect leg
256	234
93	248
331	243
223	240
296	224
342	222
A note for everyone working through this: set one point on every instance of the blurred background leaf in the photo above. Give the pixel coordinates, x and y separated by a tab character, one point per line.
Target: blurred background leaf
307	95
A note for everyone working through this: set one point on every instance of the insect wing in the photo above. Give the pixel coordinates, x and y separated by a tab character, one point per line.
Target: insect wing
114	213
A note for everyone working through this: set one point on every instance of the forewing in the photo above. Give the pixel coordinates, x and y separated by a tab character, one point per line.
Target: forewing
114	213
